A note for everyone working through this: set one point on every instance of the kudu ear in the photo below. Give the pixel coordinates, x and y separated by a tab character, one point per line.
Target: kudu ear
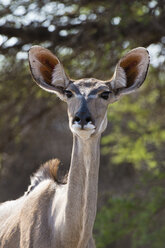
47	70
131	71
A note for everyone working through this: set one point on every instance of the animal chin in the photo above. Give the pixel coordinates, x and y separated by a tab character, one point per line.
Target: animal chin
84	132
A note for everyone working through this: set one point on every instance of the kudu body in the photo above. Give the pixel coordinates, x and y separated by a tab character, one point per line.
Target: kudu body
54	215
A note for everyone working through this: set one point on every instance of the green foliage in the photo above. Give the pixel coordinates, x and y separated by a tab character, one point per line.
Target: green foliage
137	127
137	137
136	217
17	95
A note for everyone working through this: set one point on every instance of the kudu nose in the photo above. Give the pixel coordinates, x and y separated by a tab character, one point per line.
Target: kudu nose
82	118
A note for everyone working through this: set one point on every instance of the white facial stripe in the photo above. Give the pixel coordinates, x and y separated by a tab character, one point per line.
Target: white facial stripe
79	96
89	96
85	91
92	96
103	123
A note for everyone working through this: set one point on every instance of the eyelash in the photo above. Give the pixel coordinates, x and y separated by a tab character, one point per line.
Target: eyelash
105	95
68	93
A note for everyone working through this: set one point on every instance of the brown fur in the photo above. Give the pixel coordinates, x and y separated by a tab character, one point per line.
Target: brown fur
51	167
48	62
51	170
130	66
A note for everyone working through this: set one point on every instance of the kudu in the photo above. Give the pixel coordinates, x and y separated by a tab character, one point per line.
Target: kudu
54	215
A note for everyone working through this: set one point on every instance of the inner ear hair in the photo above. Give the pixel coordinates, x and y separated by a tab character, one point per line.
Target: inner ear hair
131	71
47	70
42	63
130	67
48	63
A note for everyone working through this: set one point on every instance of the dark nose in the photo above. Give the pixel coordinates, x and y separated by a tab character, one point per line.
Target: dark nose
82	118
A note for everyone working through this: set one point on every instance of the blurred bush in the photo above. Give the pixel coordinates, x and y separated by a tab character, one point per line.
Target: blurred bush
89	37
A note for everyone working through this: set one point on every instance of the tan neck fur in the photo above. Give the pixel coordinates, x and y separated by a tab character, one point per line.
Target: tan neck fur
81	202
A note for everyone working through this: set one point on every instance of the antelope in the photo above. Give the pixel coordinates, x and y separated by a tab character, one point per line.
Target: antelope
54	214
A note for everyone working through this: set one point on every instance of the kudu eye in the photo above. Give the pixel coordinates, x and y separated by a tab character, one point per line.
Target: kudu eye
105	95
68	93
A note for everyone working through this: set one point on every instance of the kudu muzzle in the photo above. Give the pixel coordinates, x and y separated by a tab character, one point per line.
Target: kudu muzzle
83	116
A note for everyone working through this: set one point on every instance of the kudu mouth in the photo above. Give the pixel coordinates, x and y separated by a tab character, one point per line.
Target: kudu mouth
83	121
84	131
83	124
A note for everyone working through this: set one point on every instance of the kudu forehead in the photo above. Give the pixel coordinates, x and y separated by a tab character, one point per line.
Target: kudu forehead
86	100
86	86
79	103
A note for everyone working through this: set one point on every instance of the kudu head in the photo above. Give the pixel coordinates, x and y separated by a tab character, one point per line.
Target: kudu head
88	98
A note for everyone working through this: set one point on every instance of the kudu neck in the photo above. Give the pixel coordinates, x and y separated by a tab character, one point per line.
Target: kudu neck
82	188
87	152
